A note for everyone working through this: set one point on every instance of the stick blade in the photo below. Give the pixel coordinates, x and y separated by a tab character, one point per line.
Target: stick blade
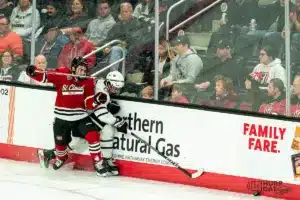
197	173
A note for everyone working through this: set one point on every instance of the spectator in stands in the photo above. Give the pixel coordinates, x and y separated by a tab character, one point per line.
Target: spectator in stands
51	44
269	65
177	94
184	68
78	46
224	95
186	65
254	96
8	70
164	58
147	92
145	9
277	101
245	10
54	14
6	8
98	28
295	100
77	18
9	39
124	30
21	18
295	19
224	62
40	62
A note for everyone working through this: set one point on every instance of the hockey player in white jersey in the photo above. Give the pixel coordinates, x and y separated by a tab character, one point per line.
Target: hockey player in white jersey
102	114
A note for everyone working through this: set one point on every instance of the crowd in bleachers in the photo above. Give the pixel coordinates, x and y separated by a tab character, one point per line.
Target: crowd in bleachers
243	66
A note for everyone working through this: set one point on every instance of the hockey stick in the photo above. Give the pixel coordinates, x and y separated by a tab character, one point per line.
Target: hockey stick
191	175
63	74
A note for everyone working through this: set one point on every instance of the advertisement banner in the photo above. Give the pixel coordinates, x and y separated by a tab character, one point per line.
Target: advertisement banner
242	146
7	109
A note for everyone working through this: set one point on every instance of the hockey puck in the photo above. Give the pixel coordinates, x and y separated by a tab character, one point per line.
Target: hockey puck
256	193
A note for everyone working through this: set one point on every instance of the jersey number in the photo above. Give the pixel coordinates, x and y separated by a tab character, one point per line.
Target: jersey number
3	91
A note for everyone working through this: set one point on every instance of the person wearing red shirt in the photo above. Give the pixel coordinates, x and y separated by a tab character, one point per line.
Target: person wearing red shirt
177	95
277	102
78	46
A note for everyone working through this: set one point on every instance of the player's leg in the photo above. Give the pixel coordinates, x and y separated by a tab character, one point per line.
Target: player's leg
62	136
107	137
88	129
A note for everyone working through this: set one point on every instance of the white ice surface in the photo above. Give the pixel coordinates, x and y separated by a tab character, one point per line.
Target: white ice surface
19	180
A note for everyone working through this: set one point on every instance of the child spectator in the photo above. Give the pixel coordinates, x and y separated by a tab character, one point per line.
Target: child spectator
177	94
224	95
147	92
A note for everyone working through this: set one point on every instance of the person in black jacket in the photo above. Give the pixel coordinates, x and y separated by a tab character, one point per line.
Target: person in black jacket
128	30
8	71
224	63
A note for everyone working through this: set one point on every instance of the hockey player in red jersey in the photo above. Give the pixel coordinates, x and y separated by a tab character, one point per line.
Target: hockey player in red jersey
70	112
102	109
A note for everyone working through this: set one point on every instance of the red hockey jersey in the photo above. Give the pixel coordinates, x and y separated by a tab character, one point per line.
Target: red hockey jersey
277	107
295	110
71	93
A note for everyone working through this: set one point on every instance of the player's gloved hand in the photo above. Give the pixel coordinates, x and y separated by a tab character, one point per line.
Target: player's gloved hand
121	125
113	107
30	70
100	98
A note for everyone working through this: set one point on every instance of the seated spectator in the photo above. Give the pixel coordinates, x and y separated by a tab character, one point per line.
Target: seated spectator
78	46
177	94
223	62
145	9
164	58
54	14
9	40
295	100
40	62
98	28
277	101
125	30
6	8
224	95
185	67
77	17
21	19
254	96
269	66
147	92
8	70
51	44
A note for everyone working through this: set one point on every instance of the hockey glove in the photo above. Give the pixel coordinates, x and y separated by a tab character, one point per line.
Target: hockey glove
113	107
30	70
121	125
100	98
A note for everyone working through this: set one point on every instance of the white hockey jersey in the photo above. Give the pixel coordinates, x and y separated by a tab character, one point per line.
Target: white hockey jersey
100	109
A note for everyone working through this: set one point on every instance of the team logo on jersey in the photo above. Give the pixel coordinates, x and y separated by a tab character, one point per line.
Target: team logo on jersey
268	110
59	138
296	113
72	90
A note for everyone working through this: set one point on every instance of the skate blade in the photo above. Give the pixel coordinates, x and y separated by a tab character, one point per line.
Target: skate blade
40	156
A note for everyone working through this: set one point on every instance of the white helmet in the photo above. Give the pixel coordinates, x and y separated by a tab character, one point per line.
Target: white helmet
116	79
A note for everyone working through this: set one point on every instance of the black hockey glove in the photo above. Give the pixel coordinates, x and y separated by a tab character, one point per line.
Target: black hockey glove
100	98
121	125
113	107
30	70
